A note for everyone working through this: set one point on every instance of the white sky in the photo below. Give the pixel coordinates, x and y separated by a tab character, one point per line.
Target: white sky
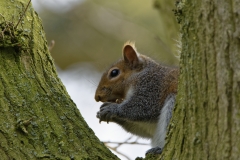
55	5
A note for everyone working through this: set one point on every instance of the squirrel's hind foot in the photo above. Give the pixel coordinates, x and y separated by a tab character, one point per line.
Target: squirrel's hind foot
155	150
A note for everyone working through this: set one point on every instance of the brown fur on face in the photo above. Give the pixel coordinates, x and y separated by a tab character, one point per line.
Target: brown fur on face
113	89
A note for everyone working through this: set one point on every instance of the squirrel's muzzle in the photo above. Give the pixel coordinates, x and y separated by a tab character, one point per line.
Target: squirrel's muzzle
97	98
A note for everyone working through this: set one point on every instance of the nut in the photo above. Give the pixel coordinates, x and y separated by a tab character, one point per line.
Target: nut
118	101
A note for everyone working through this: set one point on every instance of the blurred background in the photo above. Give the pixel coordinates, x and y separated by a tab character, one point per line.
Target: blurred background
89	36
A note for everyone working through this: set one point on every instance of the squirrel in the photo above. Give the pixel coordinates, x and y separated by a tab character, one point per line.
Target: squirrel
139	95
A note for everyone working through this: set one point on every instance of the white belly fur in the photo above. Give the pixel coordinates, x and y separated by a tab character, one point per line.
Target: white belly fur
141	129
164	118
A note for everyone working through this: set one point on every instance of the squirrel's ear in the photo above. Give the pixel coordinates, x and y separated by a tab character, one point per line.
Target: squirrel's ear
130	54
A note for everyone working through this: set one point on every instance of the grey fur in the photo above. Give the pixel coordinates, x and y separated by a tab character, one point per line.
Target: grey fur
141	111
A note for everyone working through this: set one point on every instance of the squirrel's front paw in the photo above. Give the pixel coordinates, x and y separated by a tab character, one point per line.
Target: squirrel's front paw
106	112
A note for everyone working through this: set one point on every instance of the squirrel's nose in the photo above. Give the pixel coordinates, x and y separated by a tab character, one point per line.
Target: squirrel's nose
97	98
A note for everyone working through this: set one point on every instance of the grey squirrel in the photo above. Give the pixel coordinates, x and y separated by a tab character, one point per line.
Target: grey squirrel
139	95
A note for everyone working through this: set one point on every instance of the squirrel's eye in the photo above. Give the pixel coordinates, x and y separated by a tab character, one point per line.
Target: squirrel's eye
114	73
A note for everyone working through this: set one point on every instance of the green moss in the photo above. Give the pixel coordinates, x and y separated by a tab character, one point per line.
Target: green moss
38	119
10	36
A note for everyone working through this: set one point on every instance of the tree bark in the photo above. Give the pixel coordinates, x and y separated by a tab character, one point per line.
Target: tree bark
38	119
206	120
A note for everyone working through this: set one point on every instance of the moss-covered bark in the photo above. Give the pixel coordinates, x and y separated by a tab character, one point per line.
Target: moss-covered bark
38	119
206	121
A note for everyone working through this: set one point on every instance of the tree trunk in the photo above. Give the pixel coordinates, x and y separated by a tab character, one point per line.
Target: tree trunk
37	117
206	120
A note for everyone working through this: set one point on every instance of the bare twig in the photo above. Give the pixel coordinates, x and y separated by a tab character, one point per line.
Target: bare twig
121	143
3	17
115	150
23	13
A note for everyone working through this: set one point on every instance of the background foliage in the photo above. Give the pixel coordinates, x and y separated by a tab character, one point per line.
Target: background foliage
94	31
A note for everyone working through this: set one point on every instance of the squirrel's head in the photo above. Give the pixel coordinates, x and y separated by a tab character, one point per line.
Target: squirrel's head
116	81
